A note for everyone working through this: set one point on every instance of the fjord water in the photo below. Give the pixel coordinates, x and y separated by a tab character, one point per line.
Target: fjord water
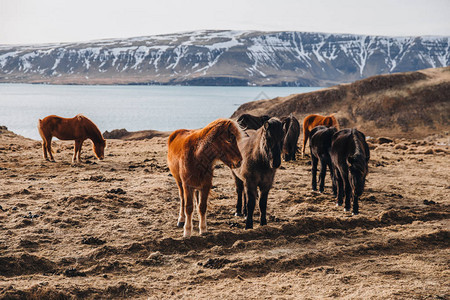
134	108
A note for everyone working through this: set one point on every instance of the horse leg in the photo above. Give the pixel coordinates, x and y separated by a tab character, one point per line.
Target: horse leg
245	205
305	139
202	209
263	205
181	216
333	179
49	148
348	193
75	151
188	209
355	205
340	187
314	162
323	170
79	151
251	193
239	190
44	148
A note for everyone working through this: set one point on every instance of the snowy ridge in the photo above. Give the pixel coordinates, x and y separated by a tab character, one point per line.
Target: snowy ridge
218	57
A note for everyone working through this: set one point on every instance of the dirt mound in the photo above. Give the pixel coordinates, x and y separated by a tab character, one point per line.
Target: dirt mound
25	264
124	134
413	104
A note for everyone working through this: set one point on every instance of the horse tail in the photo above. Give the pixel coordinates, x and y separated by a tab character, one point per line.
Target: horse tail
356	141
41	133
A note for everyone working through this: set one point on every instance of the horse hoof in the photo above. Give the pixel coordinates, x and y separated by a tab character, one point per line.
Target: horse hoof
180	224
337	204
355	213
346	209
238	215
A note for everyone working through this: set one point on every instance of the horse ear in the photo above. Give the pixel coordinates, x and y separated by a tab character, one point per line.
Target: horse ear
266	125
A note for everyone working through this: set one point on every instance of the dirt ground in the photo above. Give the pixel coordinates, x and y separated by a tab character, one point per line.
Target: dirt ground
108	229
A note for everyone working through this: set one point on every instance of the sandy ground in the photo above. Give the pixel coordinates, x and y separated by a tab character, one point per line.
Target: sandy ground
108	229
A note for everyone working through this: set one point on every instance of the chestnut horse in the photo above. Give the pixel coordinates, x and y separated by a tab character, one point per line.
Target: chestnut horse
191	156
312	121
78	128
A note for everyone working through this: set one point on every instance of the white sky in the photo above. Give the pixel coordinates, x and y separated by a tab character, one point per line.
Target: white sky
44	21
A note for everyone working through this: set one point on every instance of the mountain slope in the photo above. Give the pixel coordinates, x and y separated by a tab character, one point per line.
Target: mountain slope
412	104
223	58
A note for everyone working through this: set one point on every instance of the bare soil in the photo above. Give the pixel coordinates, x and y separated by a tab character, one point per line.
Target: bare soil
107	229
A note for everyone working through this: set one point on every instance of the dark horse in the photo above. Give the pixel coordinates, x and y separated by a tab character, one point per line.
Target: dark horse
191	156
320	145
291	129
261	156
248	121
78	128
349	156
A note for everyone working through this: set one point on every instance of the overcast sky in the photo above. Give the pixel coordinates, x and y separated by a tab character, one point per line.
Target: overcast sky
44	21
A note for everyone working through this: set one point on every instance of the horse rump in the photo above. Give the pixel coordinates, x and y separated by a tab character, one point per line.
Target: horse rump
350	155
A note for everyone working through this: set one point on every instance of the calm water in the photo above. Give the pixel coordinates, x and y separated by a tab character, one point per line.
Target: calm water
130	107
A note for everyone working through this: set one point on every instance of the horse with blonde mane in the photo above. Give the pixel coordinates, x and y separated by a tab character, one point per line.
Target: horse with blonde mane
191	157
78	128
312	121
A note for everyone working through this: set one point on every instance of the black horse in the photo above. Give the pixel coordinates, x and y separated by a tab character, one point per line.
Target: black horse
291	129
320	145
350	156
248	121
261	156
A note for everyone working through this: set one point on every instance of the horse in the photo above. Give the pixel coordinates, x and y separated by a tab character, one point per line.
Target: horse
248	121
261	152
78	128
311	121
191	156
320	145
291	129
350	156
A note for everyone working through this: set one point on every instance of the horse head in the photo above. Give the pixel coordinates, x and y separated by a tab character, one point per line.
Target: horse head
358	171
273	136
229	150
99	149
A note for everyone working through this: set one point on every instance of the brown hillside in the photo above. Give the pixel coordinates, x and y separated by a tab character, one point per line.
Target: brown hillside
413	104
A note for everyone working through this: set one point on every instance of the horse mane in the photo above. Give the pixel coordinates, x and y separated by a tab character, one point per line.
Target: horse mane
97	135
209	133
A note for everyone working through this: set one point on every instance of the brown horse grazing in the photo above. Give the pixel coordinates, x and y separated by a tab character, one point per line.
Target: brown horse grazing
191	156
312	121
78	128
261	153
291	129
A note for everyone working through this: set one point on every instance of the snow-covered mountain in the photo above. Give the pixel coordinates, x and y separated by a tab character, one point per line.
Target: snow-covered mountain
223	58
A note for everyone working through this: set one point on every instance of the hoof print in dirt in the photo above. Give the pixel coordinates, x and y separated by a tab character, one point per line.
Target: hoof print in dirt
275	219
31	216
429	202
117	191
92	241
234	224
154	259
215	263
73	272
